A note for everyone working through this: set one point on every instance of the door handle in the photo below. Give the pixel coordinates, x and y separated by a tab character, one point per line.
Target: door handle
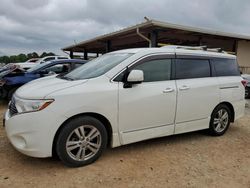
168	90
184	88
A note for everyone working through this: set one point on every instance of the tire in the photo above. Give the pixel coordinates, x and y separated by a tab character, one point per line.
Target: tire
81	141
220	120
10	93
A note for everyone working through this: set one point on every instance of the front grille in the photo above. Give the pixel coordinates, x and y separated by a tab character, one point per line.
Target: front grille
12	108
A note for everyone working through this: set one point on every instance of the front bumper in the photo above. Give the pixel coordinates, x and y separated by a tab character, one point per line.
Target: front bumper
32	133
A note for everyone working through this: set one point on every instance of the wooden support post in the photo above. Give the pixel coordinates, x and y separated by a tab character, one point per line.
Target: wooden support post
71	54
154	38
85	56
108	46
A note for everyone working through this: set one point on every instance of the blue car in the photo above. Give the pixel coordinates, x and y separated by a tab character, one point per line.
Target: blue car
11	82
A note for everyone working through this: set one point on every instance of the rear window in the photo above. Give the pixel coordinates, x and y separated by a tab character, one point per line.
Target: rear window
62	58
192	68
226	67
48	59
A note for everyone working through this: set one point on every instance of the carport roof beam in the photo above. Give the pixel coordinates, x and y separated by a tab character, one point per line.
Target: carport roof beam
126	37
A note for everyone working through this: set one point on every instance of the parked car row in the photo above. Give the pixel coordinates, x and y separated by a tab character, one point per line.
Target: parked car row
34	61
124	97
14	76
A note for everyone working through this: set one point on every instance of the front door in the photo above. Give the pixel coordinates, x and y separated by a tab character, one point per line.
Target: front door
147	110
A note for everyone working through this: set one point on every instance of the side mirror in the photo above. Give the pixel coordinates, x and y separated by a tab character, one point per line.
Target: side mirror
51	73
135	77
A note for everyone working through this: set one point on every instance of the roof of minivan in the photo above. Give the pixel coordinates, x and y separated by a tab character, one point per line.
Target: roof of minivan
175	50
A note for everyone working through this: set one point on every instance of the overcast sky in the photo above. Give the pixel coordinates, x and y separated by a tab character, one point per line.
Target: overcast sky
49	25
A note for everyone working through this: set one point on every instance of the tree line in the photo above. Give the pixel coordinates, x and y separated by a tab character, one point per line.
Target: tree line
23	57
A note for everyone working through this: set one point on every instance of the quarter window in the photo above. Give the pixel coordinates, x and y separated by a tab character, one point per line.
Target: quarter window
192	68
155	70
226	67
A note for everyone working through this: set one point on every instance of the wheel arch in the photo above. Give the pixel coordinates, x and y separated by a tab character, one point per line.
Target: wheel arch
100	117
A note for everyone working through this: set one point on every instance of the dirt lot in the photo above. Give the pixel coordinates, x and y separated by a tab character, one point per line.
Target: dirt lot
187	160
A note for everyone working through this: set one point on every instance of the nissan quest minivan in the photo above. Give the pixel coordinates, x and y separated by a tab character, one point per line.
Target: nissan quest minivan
124	97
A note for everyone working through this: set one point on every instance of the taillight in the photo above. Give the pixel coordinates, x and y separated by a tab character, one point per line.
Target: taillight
244	82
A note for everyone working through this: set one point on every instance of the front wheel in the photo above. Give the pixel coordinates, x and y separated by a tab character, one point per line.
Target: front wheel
81	141
220	120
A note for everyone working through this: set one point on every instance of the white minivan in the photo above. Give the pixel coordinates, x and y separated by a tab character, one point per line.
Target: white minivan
124	97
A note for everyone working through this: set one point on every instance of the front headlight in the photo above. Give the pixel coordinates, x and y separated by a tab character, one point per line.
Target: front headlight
24	105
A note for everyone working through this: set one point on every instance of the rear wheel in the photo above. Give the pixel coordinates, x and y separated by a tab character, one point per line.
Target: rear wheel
81	141
220	120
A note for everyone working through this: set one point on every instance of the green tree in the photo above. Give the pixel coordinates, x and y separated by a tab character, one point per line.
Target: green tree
5	59
22	58
51	54
44	54
13	59
32	55
35	55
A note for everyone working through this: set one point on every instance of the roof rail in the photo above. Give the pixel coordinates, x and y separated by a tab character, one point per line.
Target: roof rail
216	50
204	48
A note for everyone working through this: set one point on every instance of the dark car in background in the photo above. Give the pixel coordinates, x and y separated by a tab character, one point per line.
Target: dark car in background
12	81
9	69
247	88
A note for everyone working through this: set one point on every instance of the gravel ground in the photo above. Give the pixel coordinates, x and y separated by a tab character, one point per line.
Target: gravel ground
187	160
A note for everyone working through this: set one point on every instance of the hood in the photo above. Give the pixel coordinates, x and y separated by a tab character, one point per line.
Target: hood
40	88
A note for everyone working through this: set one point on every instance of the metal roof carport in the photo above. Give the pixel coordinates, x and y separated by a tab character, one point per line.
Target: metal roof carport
153	33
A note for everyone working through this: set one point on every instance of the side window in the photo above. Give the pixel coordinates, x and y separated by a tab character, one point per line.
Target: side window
49	59
192	68
58	69
226	67
155	70
62	58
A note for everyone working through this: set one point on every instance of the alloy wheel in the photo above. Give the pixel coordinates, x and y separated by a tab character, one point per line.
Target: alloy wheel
83	142
221	120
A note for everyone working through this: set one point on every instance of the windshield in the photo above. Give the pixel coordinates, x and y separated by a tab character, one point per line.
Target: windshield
98	66
38	66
